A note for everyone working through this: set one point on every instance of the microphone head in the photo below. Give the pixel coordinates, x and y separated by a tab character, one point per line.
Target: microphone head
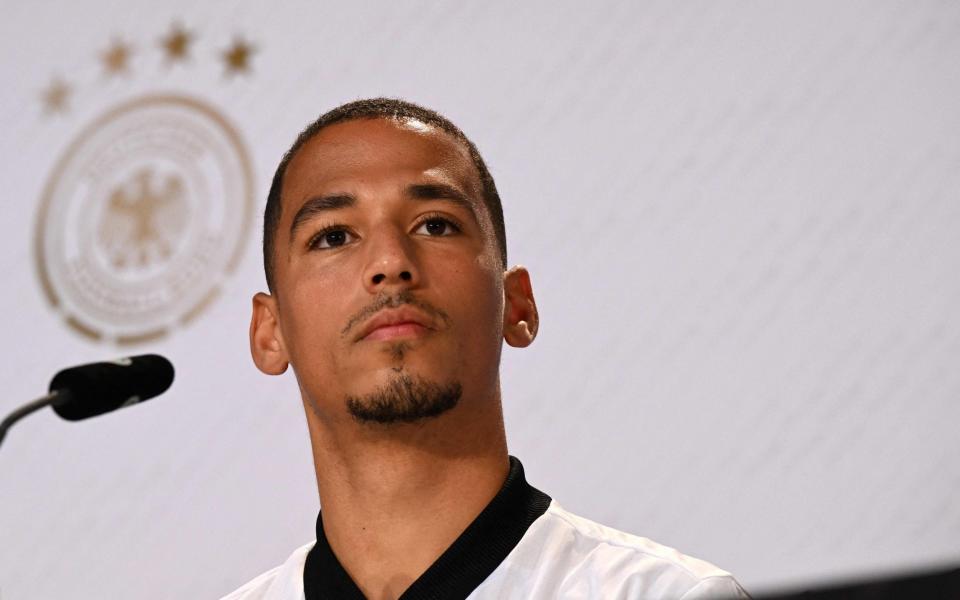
101	387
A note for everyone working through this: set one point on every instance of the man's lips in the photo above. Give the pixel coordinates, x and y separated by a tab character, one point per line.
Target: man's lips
400	330
393	323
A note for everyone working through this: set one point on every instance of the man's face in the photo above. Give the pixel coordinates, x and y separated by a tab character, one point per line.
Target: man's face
386	266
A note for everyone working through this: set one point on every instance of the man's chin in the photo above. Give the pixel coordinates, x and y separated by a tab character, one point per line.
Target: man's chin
404	398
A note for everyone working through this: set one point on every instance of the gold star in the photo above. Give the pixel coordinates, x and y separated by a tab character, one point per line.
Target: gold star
176	43
115	58
55	97
237	57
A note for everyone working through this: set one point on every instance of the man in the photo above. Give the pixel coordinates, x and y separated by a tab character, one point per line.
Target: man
385	256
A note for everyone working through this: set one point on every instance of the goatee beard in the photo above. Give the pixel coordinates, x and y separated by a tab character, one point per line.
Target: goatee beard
404	399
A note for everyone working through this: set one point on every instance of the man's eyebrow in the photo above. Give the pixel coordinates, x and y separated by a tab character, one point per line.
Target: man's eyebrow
318	205
442	191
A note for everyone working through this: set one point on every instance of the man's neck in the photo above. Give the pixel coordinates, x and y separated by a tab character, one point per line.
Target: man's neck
394	498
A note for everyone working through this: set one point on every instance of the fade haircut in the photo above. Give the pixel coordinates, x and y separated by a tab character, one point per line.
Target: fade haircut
377	108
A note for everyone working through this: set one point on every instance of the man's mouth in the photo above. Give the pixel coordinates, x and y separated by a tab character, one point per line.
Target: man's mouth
395	323
399	330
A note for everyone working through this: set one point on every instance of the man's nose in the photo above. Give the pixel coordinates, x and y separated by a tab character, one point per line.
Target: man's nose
392	262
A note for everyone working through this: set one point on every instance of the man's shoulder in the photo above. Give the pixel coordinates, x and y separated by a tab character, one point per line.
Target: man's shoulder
564	554
591	537
284	582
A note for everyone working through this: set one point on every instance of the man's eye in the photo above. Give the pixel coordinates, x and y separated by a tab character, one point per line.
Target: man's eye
331	238
437	226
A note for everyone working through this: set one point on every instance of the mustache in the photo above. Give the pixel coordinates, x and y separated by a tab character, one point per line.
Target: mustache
394	301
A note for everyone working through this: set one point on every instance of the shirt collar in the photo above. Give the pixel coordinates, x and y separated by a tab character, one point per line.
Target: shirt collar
462	567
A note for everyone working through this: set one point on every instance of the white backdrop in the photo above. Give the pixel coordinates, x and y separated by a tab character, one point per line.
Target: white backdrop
742	221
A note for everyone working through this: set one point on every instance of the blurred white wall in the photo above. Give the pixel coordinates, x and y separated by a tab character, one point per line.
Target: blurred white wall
743	224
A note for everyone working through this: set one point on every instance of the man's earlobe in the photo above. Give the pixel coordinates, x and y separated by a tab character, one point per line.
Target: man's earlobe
266	339
520	317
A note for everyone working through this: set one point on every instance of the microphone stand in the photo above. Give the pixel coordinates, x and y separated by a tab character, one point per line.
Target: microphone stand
55	397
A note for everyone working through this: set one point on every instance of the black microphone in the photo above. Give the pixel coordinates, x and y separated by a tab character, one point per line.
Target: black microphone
90	390
101	387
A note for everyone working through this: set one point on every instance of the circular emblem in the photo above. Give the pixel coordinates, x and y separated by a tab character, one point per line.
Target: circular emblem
142	218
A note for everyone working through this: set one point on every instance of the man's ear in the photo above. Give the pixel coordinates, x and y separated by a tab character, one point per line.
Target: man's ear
266	339
520	317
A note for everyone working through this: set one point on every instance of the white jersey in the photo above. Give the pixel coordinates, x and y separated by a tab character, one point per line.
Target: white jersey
566	556
557	555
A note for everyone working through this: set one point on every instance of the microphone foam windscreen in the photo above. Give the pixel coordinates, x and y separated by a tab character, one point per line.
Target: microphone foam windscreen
101	387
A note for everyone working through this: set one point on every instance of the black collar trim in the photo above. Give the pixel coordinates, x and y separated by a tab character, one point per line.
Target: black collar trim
462	567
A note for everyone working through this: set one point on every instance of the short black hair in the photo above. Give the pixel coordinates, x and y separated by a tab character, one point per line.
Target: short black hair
377	108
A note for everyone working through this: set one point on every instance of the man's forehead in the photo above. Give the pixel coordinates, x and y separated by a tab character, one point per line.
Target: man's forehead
344	161
366	147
